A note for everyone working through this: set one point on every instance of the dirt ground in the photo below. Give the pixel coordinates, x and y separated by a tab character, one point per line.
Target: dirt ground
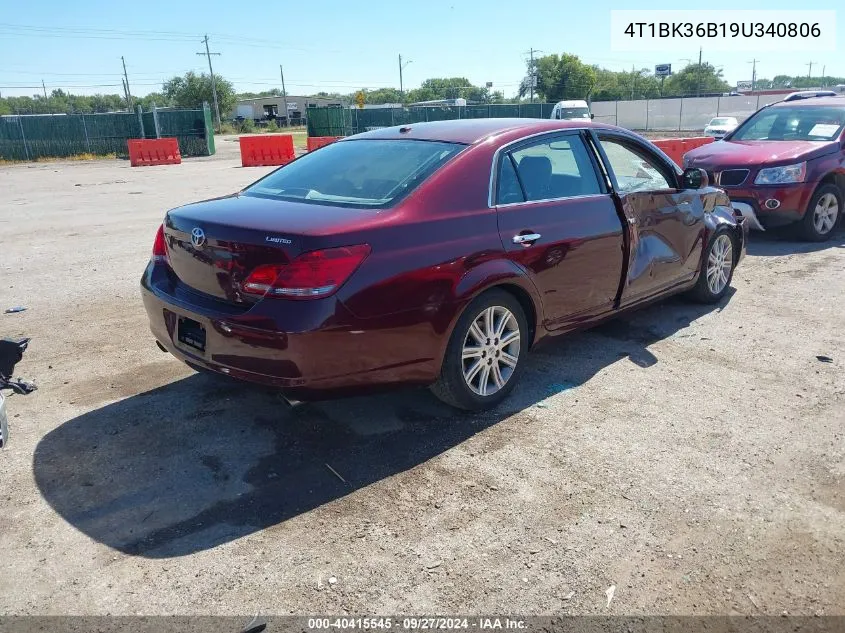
689	457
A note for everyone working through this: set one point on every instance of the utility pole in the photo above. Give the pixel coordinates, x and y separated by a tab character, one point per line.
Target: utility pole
285	97
45	88
208	54
401	85
753	63
633	81
810	72
824	68
698	90
532	74
126	78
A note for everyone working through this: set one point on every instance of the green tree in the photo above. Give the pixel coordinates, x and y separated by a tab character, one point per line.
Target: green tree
694	79
383	95
561	77
191	90
448	88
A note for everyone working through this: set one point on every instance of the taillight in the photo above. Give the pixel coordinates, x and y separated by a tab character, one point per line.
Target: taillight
310	276
159	255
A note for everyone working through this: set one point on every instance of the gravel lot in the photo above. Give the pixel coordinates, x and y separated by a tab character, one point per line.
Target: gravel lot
690	457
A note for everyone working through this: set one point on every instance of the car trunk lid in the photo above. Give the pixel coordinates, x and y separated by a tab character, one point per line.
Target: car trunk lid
213	246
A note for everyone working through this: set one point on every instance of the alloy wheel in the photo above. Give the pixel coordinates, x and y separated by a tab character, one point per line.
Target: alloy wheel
490	350
719	264
825	213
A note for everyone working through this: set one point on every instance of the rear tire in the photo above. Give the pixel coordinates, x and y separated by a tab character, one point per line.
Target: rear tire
485	353
822	214
717	268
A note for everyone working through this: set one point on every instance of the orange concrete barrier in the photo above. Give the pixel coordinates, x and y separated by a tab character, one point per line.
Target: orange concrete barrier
153	151
315	142
266	149
675	148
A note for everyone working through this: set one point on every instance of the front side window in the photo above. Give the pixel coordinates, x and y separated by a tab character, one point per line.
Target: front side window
362	174
793	123
551	169
635	171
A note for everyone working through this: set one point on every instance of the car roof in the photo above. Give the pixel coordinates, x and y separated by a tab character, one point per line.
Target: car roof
471	131
838	100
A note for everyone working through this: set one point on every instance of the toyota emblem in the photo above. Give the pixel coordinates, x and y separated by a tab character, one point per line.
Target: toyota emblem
198	237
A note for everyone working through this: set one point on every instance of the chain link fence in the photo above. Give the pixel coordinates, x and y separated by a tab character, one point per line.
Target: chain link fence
681	114
30	137
334	121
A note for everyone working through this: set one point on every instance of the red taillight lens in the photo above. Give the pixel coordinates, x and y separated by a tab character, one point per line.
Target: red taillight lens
159	255
309	276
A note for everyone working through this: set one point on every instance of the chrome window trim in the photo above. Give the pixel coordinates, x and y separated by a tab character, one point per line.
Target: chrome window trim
525	202
491	192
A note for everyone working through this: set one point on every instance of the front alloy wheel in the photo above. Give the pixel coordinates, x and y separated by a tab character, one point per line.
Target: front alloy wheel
822	213
720	263
826	213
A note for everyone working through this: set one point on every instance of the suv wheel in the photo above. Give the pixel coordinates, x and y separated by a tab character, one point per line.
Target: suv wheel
822	213
485	353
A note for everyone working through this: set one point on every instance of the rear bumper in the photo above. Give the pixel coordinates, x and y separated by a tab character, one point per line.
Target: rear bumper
309	349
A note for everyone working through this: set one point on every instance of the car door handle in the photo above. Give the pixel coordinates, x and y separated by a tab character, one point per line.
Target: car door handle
526	239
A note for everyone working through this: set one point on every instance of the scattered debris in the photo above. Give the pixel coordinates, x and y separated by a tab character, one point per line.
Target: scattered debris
256	625
569	595
550	540
336	474
542	405
824	359
14	309
557	387
609	593
754	602
332	580
434	564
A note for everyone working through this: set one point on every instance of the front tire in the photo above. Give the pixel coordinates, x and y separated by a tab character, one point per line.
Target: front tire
717	268
485	353
822	213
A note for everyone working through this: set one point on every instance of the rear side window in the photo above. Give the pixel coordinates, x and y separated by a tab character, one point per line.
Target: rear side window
557	168
364	174
547	170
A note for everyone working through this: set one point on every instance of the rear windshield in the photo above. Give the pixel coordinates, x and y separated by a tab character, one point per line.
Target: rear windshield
573	113
364	173
793	123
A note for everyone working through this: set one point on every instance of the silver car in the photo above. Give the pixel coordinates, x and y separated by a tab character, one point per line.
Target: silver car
720	126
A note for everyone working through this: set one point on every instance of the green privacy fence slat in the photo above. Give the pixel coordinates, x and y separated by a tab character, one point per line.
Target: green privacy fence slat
62	135
345	122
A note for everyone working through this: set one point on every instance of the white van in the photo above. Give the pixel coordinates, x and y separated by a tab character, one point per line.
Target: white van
571	110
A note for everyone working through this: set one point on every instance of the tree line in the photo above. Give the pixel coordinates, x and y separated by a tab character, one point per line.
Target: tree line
552	77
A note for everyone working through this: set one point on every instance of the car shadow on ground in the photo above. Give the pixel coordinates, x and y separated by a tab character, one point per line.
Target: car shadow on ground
204	460
783	241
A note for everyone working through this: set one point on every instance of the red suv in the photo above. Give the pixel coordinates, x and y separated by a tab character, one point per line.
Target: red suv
785	165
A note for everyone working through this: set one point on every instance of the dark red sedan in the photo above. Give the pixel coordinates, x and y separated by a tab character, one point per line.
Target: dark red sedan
433	254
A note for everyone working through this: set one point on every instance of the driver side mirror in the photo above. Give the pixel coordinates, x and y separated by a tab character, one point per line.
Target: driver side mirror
694	178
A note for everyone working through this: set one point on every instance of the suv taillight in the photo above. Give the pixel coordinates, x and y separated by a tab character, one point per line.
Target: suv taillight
311	275
159	255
